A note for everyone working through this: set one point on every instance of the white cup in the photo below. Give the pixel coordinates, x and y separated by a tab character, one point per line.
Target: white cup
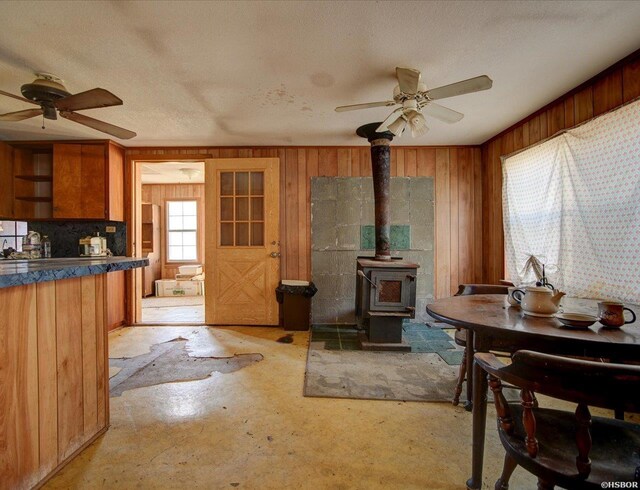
510	299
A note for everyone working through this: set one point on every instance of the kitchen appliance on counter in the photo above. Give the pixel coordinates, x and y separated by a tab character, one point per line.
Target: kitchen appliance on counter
93	246
31	245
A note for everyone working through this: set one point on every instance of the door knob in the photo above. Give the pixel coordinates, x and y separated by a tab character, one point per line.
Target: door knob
275	255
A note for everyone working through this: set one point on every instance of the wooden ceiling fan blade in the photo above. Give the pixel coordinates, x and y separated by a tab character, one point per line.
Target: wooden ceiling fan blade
102	126
91	99
408	80
21	115
442	113
368	105
17	97
471	85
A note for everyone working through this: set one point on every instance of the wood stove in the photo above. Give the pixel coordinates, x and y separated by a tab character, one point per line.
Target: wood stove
385	286
385	297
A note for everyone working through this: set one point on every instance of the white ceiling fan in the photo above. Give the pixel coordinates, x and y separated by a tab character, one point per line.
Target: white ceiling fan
415	100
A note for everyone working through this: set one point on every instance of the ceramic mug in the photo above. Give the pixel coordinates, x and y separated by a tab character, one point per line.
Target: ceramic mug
510	299
611	314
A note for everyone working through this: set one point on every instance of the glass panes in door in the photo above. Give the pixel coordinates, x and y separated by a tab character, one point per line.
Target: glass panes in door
182	231
241	209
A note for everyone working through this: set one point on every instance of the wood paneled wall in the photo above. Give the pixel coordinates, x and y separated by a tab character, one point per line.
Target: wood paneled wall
159	194
613	87
458	188
54	381
116	299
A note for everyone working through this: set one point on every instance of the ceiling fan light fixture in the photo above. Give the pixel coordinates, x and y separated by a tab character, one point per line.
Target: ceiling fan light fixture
49	112
190	172
417	123
398	126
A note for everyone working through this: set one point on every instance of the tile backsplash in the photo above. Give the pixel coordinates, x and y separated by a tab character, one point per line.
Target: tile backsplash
64	235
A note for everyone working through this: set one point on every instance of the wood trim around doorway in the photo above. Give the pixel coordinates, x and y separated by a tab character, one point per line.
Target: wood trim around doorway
133	216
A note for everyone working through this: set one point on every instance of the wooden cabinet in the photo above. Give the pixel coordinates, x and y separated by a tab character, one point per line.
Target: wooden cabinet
115	183
151	247
6	180
47	180
88	181
30	183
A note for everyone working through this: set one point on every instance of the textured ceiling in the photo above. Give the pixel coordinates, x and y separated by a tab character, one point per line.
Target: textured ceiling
172	173
271	73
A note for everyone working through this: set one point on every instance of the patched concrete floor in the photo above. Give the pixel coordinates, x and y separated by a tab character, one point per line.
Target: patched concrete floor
252	428
173	309
169	362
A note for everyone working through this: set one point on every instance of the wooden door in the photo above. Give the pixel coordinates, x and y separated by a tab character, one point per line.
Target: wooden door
242	251
79	181
67	180
115	183
93	184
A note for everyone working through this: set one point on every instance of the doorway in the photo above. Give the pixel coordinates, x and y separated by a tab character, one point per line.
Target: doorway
170	232
237	240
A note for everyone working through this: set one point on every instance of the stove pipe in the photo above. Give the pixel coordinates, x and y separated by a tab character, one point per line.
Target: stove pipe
381	171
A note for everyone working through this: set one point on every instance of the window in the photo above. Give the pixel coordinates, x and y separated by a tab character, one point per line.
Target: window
573	202
242	209
182	231
11	233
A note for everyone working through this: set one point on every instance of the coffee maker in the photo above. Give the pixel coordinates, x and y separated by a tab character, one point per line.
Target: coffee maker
93	246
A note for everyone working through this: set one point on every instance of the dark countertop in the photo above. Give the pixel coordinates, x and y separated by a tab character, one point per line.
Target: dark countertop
21	272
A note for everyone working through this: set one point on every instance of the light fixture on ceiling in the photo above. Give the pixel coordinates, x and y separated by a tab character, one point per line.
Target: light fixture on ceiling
398	126
190	172
417	123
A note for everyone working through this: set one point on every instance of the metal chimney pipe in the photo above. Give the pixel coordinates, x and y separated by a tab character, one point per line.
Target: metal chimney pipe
381	171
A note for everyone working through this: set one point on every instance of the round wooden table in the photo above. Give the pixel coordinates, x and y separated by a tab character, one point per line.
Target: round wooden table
498	326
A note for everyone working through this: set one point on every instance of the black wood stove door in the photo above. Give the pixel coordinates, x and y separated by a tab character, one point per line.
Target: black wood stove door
393	291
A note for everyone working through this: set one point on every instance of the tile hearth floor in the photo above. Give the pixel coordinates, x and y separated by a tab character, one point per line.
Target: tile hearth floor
421	337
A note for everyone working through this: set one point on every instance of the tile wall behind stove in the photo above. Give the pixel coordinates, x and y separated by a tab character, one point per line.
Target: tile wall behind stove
342	212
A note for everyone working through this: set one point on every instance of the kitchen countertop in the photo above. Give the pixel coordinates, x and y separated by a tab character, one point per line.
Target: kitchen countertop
21	272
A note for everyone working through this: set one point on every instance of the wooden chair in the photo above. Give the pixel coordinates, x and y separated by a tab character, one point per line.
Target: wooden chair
560	447
464	338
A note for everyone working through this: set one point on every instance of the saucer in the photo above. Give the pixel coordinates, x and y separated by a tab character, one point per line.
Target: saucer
576	320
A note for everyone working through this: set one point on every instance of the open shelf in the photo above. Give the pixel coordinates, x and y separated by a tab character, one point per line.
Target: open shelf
35	178
34	198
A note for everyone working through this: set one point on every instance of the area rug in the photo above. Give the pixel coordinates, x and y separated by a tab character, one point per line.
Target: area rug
379	376
337	369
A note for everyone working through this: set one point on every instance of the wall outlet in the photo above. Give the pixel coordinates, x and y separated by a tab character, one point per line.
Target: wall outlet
111	229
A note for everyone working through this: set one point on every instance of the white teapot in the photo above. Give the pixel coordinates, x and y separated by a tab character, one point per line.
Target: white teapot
538	300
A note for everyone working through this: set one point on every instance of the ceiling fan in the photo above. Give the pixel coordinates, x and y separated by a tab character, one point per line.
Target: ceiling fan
48	92
415	100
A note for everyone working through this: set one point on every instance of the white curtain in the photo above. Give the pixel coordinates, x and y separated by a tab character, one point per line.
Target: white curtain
574	202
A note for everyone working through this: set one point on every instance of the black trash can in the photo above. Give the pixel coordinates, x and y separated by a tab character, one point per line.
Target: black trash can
295	298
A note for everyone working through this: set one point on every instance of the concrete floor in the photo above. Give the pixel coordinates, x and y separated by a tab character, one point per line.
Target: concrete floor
252	428
173	309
